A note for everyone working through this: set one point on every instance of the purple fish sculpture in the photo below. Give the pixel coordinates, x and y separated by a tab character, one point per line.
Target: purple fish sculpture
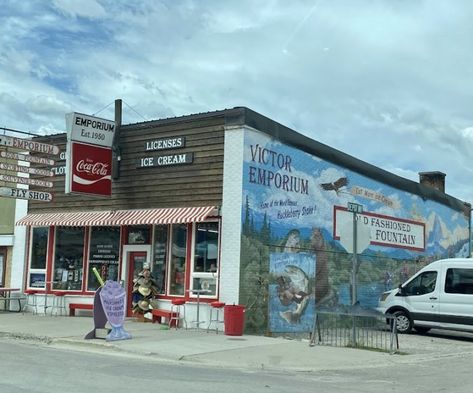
112	297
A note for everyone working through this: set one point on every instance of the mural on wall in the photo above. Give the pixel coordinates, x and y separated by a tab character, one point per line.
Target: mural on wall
287	192
291	297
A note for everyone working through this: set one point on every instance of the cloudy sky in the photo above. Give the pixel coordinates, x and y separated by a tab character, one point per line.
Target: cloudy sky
387	81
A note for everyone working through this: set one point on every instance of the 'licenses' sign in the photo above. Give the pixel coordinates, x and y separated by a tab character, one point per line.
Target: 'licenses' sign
166	160
166	143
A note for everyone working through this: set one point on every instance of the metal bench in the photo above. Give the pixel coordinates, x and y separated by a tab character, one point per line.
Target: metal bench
7	296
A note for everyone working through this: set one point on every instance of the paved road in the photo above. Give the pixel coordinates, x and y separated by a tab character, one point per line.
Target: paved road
34	367
39	368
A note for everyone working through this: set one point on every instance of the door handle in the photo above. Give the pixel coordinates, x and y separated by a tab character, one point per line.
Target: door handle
433	298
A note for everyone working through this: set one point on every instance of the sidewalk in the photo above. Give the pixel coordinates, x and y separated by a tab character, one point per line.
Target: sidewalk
200	347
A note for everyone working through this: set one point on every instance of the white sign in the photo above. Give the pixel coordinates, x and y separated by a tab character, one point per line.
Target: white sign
28	144
385	230
19	193
90	129
25	169
363	234
26	180
27	158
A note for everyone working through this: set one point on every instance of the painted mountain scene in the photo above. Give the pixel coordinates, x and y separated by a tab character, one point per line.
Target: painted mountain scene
297	203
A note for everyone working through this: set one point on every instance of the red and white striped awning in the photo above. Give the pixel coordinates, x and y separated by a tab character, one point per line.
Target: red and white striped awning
119	217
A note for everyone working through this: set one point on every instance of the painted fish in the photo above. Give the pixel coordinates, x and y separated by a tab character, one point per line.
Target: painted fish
295	290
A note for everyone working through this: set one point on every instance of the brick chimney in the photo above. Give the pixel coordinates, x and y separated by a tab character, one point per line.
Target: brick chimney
433	179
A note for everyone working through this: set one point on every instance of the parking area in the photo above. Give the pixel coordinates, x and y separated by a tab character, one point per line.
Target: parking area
436	343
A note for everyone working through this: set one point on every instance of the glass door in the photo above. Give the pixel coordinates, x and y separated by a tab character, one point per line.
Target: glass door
136	262
2	267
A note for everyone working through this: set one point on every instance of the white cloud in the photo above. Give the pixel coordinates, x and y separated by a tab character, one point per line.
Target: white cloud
90	9
387	82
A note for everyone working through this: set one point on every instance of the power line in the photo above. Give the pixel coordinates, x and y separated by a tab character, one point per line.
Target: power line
20	132
139	114
105	107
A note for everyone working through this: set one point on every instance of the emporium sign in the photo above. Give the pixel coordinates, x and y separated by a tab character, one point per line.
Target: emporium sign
385	230
29	145
89	154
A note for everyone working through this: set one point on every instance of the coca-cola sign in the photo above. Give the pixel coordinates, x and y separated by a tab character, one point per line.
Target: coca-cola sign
91	169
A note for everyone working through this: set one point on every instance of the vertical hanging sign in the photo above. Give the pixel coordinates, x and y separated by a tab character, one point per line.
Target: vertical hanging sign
89	154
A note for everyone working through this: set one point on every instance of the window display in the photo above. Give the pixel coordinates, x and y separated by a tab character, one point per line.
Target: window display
68	262
38	252
178	259
2	268
39	245
205	266
138	234
104	255
160	256
206	247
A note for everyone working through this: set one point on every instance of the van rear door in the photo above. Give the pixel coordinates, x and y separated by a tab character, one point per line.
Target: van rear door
456	298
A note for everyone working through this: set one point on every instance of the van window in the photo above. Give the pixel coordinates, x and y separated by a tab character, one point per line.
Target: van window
422	284
459	281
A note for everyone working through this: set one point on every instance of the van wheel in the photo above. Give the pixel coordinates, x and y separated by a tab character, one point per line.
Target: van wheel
403	322
421	329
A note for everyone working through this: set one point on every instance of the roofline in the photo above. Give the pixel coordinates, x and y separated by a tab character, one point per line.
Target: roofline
246	116
240	116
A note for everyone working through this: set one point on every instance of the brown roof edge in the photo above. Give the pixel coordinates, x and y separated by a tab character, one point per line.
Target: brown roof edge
242	115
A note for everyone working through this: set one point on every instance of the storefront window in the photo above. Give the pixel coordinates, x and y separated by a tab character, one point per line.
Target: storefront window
104	253
3	261
68	262
178	253
39	247
159	256
138	234
205	263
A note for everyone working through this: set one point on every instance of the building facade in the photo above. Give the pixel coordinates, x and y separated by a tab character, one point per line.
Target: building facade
250	211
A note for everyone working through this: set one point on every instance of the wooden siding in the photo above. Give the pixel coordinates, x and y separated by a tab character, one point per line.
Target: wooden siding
196	184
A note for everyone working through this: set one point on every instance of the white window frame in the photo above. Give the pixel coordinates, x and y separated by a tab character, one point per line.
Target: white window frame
213	276
30	253
168	261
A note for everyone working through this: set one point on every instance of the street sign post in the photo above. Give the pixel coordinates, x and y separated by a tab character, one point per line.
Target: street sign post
354	207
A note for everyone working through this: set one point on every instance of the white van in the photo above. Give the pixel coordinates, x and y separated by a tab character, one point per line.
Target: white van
438	296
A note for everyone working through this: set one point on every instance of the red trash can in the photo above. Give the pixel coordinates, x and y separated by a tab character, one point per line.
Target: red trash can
234	319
